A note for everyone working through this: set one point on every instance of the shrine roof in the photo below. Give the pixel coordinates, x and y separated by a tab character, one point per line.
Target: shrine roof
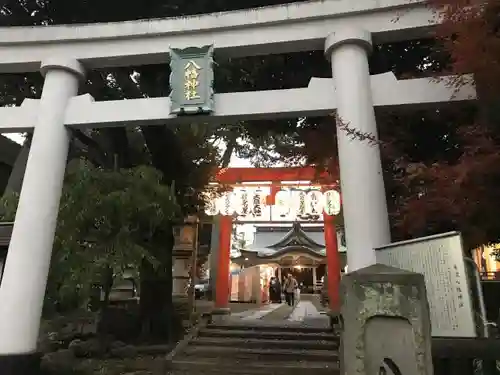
277	240
292	250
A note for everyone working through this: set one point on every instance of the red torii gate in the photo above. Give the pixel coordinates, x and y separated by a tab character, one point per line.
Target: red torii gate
232	176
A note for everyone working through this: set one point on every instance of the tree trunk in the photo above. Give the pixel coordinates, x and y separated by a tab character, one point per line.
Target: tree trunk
228	152
156	306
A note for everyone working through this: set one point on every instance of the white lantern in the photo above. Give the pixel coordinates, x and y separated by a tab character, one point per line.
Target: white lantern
257	203
211	208
282	203
314	203
245	208
332	202
219	204
240	202
226	204
300	204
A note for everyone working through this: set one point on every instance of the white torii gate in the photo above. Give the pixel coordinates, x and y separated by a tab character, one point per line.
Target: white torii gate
345	30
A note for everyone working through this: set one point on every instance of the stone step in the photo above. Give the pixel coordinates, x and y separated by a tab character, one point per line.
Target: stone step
261	326
180	367
229	354
266	343
276	334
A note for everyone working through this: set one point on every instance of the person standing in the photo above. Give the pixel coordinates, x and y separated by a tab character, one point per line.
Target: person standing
275	290
289	286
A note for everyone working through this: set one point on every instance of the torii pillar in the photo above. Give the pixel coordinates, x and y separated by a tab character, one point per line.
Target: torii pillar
222	285
30	249
332	264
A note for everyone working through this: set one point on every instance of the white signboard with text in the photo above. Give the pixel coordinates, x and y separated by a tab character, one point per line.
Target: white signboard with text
440	259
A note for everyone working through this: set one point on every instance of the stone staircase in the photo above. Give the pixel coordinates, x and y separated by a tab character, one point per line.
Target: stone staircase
278	349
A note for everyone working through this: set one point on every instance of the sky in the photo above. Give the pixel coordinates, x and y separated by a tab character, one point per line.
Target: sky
16	137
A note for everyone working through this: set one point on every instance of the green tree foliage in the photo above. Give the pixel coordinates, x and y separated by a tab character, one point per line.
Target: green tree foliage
107	224
453	185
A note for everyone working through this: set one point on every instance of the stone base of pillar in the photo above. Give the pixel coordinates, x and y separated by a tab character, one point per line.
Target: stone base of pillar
220	314
221	311
335	320
20	364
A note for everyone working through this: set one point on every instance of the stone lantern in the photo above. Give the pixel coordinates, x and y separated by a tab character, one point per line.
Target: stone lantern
184	255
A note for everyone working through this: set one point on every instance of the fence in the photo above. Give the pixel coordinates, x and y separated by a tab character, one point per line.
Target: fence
466	356
492	276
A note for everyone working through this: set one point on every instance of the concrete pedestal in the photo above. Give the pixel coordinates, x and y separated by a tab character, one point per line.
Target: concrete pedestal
386	323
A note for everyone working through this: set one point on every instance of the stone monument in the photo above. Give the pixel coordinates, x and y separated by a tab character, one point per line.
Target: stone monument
439	258
386	324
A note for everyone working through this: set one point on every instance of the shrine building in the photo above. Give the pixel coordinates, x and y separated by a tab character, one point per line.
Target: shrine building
296	249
